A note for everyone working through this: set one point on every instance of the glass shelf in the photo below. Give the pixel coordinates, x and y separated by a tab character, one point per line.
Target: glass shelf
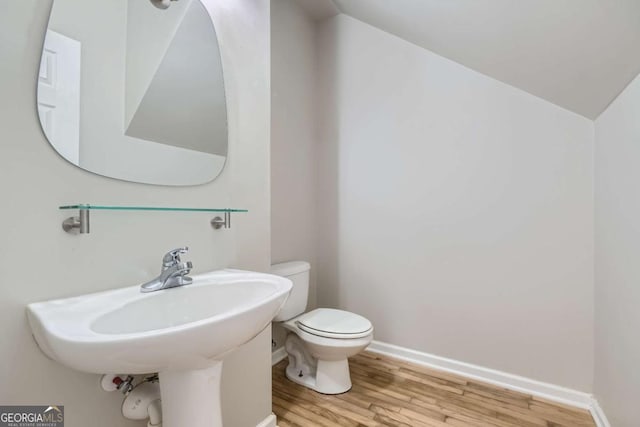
80	223
146	208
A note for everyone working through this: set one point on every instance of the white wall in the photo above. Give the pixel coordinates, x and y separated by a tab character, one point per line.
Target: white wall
39	261
455	212
617	203
293	137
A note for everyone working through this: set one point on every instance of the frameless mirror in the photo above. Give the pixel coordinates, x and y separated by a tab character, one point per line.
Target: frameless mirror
134	90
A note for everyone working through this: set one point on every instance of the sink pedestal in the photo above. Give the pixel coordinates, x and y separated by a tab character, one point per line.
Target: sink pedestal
191	398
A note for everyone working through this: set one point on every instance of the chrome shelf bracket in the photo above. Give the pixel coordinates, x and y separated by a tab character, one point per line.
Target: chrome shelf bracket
217	222
77	224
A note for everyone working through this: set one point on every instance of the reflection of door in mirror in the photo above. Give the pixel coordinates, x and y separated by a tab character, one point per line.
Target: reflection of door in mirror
149	101
59	94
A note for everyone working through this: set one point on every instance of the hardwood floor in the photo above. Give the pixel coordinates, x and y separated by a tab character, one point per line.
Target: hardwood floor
389	392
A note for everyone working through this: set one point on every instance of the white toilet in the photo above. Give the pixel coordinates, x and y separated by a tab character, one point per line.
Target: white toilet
321	340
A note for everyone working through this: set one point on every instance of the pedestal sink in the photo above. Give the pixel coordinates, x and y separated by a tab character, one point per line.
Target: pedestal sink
182	333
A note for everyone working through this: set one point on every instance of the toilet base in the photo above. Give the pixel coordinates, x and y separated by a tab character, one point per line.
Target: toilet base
323	376
331	377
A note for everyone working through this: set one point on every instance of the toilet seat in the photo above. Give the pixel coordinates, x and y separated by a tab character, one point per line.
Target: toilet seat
331	323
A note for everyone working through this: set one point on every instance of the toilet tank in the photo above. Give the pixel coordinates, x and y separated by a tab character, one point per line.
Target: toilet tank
298	273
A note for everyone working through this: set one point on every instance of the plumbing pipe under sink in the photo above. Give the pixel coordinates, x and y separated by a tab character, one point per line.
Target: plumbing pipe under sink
144	402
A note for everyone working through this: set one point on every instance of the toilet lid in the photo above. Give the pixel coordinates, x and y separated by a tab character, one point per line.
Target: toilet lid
330	323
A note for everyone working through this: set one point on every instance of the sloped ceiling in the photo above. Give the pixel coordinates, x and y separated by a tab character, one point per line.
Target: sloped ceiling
578	54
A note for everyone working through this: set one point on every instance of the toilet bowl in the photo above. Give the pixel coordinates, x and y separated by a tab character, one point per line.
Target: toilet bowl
319	342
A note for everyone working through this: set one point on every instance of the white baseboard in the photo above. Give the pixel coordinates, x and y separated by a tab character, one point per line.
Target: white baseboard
598	415
278	355
270	421
502	379
513	382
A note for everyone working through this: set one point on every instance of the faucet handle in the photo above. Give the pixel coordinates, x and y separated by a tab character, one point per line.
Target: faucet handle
171	258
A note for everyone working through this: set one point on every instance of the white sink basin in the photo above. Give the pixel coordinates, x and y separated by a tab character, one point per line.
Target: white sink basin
182	333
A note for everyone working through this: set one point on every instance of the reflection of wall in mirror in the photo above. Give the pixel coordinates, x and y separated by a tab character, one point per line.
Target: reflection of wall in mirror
184	102
148	36
104	148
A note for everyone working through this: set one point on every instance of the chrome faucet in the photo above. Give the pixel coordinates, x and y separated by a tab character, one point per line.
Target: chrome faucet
174	272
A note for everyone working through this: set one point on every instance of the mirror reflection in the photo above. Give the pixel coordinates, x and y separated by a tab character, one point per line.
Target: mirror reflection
134	90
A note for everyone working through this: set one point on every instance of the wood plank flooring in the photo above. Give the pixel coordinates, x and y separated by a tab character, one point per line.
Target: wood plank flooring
390	392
